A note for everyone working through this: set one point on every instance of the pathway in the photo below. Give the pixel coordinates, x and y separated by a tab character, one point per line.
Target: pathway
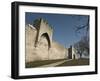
55	64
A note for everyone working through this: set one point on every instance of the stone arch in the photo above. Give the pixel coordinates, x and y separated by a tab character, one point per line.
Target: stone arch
46	36
43	46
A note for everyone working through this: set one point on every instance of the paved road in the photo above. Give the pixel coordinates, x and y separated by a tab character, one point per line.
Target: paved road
55	64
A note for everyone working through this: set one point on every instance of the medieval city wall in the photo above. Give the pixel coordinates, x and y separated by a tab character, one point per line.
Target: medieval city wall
41	52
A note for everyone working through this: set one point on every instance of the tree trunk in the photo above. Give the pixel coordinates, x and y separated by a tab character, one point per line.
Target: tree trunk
80	55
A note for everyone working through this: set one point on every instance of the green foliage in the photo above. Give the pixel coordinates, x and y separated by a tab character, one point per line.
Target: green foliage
36	22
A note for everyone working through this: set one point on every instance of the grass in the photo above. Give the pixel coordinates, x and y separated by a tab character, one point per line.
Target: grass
76	62
40	63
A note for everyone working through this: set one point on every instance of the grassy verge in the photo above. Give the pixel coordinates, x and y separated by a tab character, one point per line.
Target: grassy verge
75	62
40	63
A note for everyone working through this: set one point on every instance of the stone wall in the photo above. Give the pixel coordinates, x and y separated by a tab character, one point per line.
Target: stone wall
58	51
72	53
42	51
42	29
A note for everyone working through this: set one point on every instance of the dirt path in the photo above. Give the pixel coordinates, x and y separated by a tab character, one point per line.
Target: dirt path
55	64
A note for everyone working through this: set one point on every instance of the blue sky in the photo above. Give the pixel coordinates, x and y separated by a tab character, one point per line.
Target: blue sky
64	26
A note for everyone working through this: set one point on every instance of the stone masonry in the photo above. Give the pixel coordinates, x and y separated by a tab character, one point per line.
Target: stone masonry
40	45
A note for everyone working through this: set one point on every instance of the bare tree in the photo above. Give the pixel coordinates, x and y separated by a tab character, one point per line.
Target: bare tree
83	26
85	41
79	48
82	47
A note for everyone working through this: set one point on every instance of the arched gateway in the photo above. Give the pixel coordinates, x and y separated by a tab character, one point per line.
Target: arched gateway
43	29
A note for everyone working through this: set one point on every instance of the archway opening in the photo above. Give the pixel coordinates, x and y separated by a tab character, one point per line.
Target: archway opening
44	46
45	40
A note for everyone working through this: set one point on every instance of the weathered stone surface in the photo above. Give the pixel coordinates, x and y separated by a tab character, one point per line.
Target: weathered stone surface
46	48
41	46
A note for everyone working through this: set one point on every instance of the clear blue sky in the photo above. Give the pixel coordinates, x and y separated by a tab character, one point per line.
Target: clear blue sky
64	26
